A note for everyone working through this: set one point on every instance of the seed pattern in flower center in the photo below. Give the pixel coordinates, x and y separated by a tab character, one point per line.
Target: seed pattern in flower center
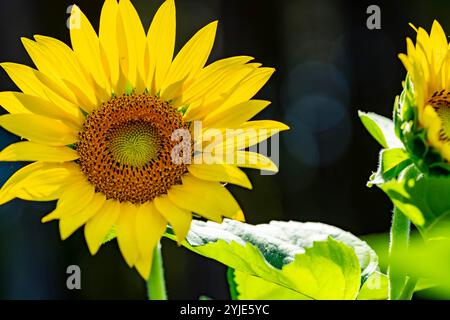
440	101
125	148
135	143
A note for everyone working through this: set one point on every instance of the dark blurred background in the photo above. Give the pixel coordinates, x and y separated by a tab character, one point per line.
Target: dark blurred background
329	65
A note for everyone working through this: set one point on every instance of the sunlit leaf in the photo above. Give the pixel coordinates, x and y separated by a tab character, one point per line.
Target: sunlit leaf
423	199
381	129
313	260
391	163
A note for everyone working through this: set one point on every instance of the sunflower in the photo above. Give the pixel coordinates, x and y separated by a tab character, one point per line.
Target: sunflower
428	66
98	122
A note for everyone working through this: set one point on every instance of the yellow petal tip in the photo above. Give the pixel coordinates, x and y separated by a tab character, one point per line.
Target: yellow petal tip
413	26
64	235
25	40
93	251
48	218
239	216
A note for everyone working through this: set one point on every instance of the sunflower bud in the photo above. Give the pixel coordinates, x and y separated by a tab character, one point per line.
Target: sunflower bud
422	112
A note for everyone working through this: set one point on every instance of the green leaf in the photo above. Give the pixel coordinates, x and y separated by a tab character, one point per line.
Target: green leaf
422	198
381	129
392	158
328	270
311	259
256	288
232	284
391	163
375	288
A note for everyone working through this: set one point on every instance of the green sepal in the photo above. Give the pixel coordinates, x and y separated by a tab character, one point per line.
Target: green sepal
129	89
406	119
391	163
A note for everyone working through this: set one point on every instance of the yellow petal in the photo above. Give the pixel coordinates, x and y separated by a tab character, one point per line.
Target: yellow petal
431	121
208	199
249	134
406	62
56	68
40	59
235	115
53	68
85	103
132	41
39	181
30	151
220	173
96	228
239	217
71	71
423	43
243	159
410	48
150	226
144	265
108	40
189	61
179	219
25	78
253	160
18	102
212	77
11	104
265	124
35	83
439	42
126	233
217	95
161	45
39	129
69	224
75	197
62	56
86	46
249	87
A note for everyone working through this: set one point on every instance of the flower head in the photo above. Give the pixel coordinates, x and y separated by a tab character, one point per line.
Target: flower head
101	119
423	117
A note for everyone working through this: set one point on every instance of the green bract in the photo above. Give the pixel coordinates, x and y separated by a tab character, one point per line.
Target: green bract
407	128
418	187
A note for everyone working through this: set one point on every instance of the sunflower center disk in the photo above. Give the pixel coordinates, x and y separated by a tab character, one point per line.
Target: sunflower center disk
134	143
441	103
125	148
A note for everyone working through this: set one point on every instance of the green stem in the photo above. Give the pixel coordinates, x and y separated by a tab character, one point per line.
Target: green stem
408	290
156	285
400	230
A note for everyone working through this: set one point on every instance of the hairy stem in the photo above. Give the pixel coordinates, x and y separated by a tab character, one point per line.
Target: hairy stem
400	230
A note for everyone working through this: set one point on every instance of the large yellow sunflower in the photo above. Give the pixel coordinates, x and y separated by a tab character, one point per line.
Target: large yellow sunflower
98	121
428	65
